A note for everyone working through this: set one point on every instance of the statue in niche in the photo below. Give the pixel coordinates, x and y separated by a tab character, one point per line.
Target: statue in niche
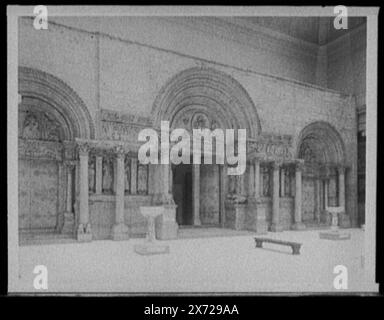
91	174
52	130
266	181
107	176
31	127
127	176
142	178
287	181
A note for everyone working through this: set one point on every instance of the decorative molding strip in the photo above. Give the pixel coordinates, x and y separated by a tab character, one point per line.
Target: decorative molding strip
126	118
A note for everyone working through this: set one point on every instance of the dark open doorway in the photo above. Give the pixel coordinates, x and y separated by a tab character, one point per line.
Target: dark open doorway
182	193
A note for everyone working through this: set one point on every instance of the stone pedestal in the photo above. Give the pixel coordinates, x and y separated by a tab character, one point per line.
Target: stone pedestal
151	246
84	232
166	226
335	233
68	223
120	232
235	215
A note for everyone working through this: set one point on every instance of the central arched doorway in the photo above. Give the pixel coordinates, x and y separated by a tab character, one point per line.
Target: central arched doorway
203	98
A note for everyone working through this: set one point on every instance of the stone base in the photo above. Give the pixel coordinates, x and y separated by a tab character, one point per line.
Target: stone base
335	235
68	223
165	224
151	248
276	228
298	226
83	233
120	232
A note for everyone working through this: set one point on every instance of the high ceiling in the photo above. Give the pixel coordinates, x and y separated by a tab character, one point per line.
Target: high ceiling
318	30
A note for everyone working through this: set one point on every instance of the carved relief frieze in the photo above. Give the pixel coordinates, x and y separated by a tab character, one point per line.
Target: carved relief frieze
38	149
37	125
272	147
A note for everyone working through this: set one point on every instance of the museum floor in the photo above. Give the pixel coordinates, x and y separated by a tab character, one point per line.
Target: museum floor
205	264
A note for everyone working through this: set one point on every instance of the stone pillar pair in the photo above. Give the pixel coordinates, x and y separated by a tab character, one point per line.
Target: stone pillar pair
276	226
120	230
83	230
298	223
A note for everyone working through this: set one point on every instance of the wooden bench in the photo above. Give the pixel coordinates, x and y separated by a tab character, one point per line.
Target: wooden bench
294	245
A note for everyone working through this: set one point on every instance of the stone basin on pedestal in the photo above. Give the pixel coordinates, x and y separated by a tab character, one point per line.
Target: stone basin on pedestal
150	245
335	233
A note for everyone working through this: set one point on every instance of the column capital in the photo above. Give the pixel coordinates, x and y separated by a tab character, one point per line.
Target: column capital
299	165
83	148
276	165
341	168
119	151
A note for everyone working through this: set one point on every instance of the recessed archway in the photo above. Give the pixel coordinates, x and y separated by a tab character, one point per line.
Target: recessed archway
322	149
207	90
51	115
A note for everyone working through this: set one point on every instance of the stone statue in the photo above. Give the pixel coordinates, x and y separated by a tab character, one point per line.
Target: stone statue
91	175
31	128
266	182
107	176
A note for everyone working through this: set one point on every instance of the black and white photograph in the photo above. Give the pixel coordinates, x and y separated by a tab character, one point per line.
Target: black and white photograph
191	150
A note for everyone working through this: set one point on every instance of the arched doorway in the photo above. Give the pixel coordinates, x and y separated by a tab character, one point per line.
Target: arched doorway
203	98
322	149
50	117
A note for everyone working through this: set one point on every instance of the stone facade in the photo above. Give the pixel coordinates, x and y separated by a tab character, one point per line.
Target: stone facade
79	120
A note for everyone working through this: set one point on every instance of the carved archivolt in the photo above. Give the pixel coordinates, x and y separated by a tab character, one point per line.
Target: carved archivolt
320	143
210	91
61	98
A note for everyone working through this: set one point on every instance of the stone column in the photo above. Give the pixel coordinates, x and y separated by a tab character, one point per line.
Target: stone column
133	176
69	217
119	230
326	182
298	223
341	189
257	179
251	180
276	199
317	200
99	173
223	191
282	182
69	188
196	194
84	232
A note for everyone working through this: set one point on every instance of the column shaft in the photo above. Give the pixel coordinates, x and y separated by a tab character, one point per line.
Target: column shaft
119	218
99	174
275	199
84	209
196	194
69	189
251	180
341	194
119	230
298	198
133	175
257	179
282	182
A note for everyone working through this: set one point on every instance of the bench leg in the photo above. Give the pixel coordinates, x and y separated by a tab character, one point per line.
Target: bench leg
295	249
259	244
